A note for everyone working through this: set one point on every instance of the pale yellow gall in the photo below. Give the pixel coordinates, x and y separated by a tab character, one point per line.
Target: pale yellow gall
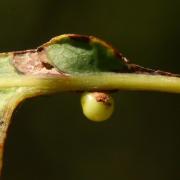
97	106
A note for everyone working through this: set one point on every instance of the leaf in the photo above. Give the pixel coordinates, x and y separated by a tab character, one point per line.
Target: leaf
83	54
6	67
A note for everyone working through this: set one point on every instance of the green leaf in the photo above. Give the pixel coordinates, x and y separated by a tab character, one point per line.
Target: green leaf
72	54
6	67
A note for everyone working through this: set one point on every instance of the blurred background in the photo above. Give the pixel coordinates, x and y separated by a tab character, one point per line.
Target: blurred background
50	139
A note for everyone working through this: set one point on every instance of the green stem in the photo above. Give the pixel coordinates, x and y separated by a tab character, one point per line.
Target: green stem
93	82
21	94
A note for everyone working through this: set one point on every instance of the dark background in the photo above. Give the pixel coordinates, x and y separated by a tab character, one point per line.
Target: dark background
50	139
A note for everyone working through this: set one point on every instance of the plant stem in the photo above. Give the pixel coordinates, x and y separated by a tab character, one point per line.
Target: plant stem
20	95
95	82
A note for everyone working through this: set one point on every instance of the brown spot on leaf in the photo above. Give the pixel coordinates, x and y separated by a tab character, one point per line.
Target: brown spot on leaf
134	68
33	62
1	123
79	37
24	51
47	65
